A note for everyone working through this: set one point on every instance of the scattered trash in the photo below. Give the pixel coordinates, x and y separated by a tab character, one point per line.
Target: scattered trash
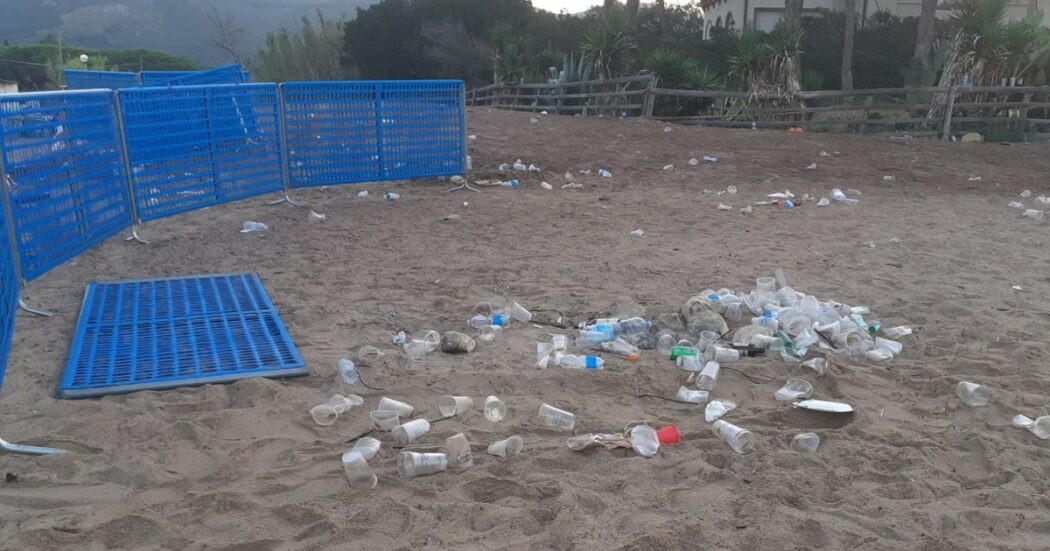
668	168
731	190
668	129
519	166
385	420
451	218
512	183
22	449
455	405
823	202
806	442
368	447
555	418
812	166
973	394
1043	200
818	365
897	332
825	154
1036	215
604	173
825	406
400	338
1016	205
796	388
573	185
391	196
717	408
854	191
412	464
841	197
357	470
388	404
458	448
411	431
668	435
740	440
885	179
324	415
723	206
348	371
974	179
250	227
534	120
786	194
698	397
747	210
317	217
694	162
546	186
710	159
644	440
1016	287
472	137
508	447
568	176
708	377
1026	193
362	194
1039	427
590	363
494	409
637	233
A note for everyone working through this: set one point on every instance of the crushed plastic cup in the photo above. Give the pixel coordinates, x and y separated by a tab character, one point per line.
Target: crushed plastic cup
602	173
644	440
710	158
341	404
454	405
739	440
973	394
400	338
840	197
668	168
416	350
708	377
691	364
508	447
519	313
316	217
806	442
402	409
897	332
1039	427
433	340
412	464
324	414
638	233
546	186
560	342
1016	205
358	473
818	365
891	346
251	226
411	431
459	454
1034	214
555	418
668	436
368	447
707	339
348	372
766	285
495	410
699	397
823	202
717	408
1022	422
368	355
543	354
391	196
487	333
724	355
385	419
1026	193
796	388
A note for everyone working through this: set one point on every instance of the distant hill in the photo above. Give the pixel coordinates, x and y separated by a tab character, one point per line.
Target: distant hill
175	26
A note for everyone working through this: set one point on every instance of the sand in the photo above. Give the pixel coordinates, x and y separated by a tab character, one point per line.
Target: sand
243	466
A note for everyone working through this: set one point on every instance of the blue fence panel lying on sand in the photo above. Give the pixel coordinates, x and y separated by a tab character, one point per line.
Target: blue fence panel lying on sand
8	295
423	129
191	147
65	174
93	80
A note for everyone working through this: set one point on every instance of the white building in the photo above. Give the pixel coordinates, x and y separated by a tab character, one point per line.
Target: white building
764	15
8	87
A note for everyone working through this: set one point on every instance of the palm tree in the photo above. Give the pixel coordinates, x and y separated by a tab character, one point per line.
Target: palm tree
607	48
792	67
632	13
924	37
847	45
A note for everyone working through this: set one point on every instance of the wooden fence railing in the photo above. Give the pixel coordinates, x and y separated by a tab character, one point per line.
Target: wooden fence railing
1002	110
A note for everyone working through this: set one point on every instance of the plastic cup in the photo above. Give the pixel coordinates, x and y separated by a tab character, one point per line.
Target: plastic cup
708	376
893	347
324	414
543	354
358	474
416	350
348	372
385	419
1041	427
806	442
819	365
717	408
368	355
454	405
668	435
341	404
707	339
402	409
412	464
433	340
665	341
1034	214
495	410
699	397
740	440
459	454
555	418
487	333
766	285
560	342
518	312
726	355
973	394
411	431
368	447
689	363
644	440
796	388
508	447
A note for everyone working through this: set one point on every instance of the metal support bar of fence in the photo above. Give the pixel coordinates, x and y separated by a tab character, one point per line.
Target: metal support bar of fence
12	236
466	154
379	129
135	222
283	138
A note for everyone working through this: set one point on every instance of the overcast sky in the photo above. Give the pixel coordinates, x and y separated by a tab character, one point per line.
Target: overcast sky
575	6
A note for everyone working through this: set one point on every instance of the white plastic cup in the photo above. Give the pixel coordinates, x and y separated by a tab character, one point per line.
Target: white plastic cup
433	340
368	355
459	454
708	376
324	414
368	447
507	447
385	419
1034	214
699	397
411	431
416	350
766	285
341	404
707	338
726	355
689	363
555	418
454	405
487	333
973	394
518	312
644	440
806	442
348	372
402	409
796	388
358	474
740	440
495	410
412	464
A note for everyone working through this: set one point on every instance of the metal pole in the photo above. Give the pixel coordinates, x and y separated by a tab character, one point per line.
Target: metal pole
282	137
379	129
12	234
118	110
463	122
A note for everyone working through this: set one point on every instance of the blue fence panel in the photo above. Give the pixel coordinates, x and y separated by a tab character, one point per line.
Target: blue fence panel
191	147
331	133
159	78
423	130
227	74
8	295
65	173
91	80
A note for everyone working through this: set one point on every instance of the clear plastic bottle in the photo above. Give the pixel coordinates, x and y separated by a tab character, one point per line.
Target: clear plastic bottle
623	349
739	439
581	362
633	326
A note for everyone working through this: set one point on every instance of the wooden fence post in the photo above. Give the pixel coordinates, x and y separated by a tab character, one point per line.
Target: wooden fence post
946	131
867	112
650	99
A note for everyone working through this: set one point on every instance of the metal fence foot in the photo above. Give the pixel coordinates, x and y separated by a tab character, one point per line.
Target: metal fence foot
136	237
286	199
465	186
22	304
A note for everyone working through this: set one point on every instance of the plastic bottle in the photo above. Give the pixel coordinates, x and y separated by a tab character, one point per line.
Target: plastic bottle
623	349
679	350
581	362
740	440
633	326
767	319
348	371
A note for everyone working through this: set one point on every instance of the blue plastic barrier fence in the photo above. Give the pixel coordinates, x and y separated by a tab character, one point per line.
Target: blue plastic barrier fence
159	78
191	147
8	294
227	74
349	132
93	80
65	174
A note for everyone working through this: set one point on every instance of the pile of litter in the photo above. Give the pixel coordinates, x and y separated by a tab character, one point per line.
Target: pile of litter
1034	214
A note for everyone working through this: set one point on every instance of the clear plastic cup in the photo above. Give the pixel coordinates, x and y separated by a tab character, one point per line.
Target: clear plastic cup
459	454
766	285
519	313
665	341
368	447
358	474
416	350
341	404
1041	427
555	418
893	347
806	442
324	414
543	354
973	394
487	333
689	363
560	343
726	355
707	339
385	419
495	410
740	440
508	447
717	408
1034	214
644	440
699	397
411	431
454	405
368	355
818	365
433	340
412	464
708	376
796	388
348	372
402	409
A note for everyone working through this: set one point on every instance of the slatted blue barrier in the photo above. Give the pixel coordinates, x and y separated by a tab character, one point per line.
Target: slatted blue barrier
8	295
348	132
93	80
159	78
191	147
227	74
65	174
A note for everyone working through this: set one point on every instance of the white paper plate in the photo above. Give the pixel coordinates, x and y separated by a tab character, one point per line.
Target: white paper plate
821	405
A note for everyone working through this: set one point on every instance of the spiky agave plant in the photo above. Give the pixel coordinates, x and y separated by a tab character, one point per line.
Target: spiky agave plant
607	48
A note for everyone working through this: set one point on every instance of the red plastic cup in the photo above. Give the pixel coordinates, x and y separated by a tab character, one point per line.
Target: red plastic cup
668	435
